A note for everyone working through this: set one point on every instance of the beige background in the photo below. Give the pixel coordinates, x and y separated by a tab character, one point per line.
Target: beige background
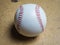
51	35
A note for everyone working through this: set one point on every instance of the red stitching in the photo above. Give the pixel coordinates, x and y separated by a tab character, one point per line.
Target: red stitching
20	17
38	16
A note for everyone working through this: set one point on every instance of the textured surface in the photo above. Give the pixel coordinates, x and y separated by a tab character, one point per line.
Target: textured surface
51	35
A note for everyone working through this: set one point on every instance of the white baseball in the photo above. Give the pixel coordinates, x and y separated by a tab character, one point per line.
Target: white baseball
30	20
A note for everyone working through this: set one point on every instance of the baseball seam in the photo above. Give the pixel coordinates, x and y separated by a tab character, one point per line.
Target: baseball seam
39	16
20	17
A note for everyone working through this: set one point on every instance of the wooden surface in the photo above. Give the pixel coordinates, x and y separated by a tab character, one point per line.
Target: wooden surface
51	35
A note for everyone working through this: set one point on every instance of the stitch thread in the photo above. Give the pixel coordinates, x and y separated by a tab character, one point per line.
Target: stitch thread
38	16
20	17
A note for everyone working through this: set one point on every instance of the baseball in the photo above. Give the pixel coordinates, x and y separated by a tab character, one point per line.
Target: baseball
30	20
